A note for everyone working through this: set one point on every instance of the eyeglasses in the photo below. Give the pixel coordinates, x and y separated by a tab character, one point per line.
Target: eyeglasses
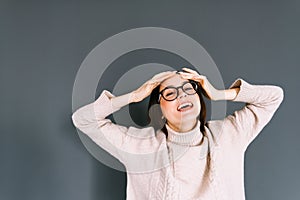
171	93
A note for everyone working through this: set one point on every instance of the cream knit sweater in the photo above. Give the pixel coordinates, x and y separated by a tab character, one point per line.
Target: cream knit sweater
184	166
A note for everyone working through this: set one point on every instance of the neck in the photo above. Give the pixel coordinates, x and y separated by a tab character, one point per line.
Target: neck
183	127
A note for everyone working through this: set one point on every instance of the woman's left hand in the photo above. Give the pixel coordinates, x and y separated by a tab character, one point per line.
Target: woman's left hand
209	91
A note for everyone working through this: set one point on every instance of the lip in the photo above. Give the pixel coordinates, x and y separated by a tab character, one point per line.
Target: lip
184	103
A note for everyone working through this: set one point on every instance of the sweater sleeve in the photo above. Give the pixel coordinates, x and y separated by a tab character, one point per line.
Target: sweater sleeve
116	139
261	102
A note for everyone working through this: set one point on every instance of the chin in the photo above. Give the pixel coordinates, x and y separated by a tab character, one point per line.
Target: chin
189	117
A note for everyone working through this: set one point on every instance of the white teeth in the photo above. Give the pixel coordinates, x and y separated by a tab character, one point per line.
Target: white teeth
184	105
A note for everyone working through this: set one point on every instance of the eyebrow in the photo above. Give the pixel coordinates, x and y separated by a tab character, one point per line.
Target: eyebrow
173	85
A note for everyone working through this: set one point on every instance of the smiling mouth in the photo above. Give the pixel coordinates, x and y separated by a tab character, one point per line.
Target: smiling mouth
184	106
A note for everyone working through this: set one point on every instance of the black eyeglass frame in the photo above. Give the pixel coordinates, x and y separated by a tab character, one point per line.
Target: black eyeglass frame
193	83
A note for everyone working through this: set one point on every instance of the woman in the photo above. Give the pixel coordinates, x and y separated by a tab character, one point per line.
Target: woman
187	158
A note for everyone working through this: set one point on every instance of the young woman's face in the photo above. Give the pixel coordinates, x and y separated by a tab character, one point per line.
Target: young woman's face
184	109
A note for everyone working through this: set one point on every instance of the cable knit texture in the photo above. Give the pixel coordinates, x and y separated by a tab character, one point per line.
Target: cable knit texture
184	166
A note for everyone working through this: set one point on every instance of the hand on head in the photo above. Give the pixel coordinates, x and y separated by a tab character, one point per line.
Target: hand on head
145	90
208	89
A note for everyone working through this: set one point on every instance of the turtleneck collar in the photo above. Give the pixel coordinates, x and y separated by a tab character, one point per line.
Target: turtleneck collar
190	138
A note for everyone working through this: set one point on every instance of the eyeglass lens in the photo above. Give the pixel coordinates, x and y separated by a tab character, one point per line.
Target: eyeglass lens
171	93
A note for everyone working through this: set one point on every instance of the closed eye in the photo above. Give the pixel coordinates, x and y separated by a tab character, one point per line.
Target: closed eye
170	93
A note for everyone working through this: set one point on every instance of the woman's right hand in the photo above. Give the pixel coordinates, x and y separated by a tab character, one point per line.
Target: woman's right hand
145	90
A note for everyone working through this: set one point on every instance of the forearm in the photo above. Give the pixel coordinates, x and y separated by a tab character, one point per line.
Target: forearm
228	94
103	106
122	100
262	101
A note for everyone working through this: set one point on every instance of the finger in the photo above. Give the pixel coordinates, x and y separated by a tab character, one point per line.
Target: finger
197	78
164	76
157	81
190	70
189	77
164	73
185	74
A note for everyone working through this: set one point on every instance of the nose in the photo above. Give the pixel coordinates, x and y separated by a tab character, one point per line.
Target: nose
181	93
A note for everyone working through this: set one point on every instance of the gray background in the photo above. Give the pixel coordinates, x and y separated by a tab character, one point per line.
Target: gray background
42	45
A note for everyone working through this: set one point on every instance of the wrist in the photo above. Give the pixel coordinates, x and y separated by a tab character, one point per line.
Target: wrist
228	94
231	94
132	97
120	101
219	95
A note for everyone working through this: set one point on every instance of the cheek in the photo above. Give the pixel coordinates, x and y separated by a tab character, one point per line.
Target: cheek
167	108
197	103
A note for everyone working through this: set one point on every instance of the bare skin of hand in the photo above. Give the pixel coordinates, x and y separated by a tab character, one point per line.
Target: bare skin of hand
209	90
146	89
